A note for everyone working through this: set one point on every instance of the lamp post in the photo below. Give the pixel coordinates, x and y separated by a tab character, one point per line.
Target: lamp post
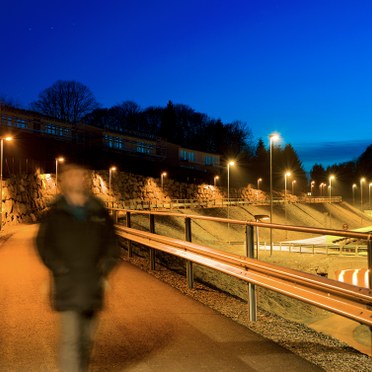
273	137
293	186
322	186
229	164
369	195
58	160
8	138
353	191
312	185
111	169
215	179
259	180
164	174
362	180
286	175
331	177
330	187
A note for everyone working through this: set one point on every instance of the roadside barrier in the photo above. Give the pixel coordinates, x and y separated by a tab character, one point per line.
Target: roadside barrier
348	300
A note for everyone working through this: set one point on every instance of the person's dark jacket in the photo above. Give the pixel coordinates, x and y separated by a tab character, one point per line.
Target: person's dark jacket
80	248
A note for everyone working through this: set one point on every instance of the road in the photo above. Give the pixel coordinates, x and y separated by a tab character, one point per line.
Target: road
146	325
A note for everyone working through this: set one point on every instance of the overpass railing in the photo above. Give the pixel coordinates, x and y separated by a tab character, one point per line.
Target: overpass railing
209	203
351	301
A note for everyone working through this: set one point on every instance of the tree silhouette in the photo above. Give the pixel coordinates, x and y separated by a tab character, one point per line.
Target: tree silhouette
168	127
292	163
364	162
260	167
68	101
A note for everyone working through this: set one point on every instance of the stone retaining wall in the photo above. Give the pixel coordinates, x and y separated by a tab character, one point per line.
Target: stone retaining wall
136	188
26	198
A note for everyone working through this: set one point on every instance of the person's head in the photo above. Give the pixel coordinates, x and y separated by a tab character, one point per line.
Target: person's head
74	179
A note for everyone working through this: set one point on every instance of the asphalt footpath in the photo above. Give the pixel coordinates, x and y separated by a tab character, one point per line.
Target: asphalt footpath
146	324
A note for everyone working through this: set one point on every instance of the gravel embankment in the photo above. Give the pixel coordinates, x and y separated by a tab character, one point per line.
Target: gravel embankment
320	349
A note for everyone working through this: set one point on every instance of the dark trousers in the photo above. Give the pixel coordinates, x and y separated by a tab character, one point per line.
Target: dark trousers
77	330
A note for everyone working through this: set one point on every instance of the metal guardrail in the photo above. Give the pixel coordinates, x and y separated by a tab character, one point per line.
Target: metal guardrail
341	298
328	249
210	203
344	299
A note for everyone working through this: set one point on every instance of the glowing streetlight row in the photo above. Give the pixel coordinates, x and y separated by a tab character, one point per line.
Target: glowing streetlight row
323	186
354	187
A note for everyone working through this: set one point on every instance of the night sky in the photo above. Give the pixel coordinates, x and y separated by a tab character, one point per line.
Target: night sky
302	68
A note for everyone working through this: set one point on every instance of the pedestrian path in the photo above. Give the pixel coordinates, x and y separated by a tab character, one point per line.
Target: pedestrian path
146	325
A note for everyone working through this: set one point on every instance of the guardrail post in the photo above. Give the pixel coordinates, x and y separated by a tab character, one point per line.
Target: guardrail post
189	268
252	303
115	216
129	242
188	229
152	250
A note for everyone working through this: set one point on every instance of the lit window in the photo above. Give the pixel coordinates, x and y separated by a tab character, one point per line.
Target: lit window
187	155
144	148
114	142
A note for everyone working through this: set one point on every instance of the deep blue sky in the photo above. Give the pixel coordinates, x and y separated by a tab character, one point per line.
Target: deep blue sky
302	68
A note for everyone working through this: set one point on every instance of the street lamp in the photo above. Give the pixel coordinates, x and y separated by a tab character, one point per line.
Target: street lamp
293	185
164	174
330	187
286	175
331	177
362	180
273	137
229	164
8	138
215	179
111	169
312	185
369	195
322	186
353	191
58	160
259	180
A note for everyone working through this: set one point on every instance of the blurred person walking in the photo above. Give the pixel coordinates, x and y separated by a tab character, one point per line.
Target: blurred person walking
77	242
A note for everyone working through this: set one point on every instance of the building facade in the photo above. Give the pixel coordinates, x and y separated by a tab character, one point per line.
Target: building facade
40	139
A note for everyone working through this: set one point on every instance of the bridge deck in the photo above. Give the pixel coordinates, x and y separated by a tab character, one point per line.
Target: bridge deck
146	325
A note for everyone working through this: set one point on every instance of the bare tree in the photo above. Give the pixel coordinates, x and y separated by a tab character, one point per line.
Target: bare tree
66	100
